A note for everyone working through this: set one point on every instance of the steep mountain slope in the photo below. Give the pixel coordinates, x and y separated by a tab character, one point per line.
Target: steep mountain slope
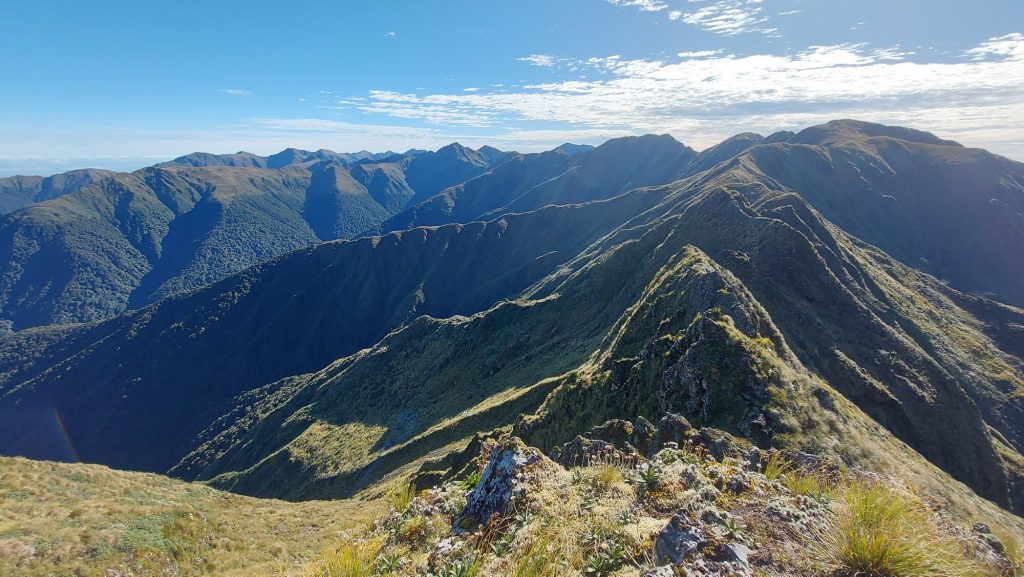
728	297
431	172
724	150
469	200
131	239
334	299
20	191
953	212
528	182
676	333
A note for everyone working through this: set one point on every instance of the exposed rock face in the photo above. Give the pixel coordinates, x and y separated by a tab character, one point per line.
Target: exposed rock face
672	428
677	541
621	441
707	390
501	482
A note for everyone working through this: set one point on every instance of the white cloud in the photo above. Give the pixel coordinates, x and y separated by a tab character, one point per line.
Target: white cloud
471	89
389	34
1010	46
698	54
645	5
727	17
701	97
704	95
543	60
235	92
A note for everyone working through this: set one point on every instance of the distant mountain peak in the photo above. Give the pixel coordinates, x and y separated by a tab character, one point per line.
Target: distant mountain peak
728	148
456	151
571	149
657	140
848	129
492	155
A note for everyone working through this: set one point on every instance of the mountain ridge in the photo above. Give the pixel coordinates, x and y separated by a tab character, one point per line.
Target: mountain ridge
521	321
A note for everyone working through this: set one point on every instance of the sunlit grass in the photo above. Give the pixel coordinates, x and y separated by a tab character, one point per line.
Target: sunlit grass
401	496
883	533
352	559
776	466
68	519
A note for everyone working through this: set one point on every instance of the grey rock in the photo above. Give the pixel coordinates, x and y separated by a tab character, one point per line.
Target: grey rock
985	533
500	482
735	553
643	434
444	550
671	429
616	431
677	540
584	452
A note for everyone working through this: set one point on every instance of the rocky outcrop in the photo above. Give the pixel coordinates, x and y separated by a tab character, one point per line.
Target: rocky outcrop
502	482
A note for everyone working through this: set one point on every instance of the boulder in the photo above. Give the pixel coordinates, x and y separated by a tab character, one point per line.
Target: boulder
643	434
618	432
501	482
677	540
581	452
671	429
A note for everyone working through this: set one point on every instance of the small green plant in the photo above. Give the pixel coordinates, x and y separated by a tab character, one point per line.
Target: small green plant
501	546
777	466
460	568
401	497
388	562
649	475
578	475
667	456
605	560
587	502
734	528
887	534
471	481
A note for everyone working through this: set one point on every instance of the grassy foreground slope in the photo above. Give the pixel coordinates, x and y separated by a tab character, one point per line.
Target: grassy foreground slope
72	519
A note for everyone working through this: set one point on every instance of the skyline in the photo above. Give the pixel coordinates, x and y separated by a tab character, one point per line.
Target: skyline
117	85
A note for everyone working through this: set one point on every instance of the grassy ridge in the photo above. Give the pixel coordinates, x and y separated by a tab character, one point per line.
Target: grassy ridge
70	519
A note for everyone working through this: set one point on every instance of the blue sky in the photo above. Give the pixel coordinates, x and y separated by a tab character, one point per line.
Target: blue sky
126	84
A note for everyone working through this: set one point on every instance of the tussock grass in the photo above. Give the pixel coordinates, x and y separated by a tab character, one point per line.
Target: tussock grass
777	466
883	533
809	484
73	519
401	496
1013	549
606	477
542	558
352	559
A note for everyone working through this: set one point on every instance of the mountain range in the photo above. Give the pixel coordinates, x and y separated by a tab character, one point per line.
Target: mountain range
129	239
310	329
